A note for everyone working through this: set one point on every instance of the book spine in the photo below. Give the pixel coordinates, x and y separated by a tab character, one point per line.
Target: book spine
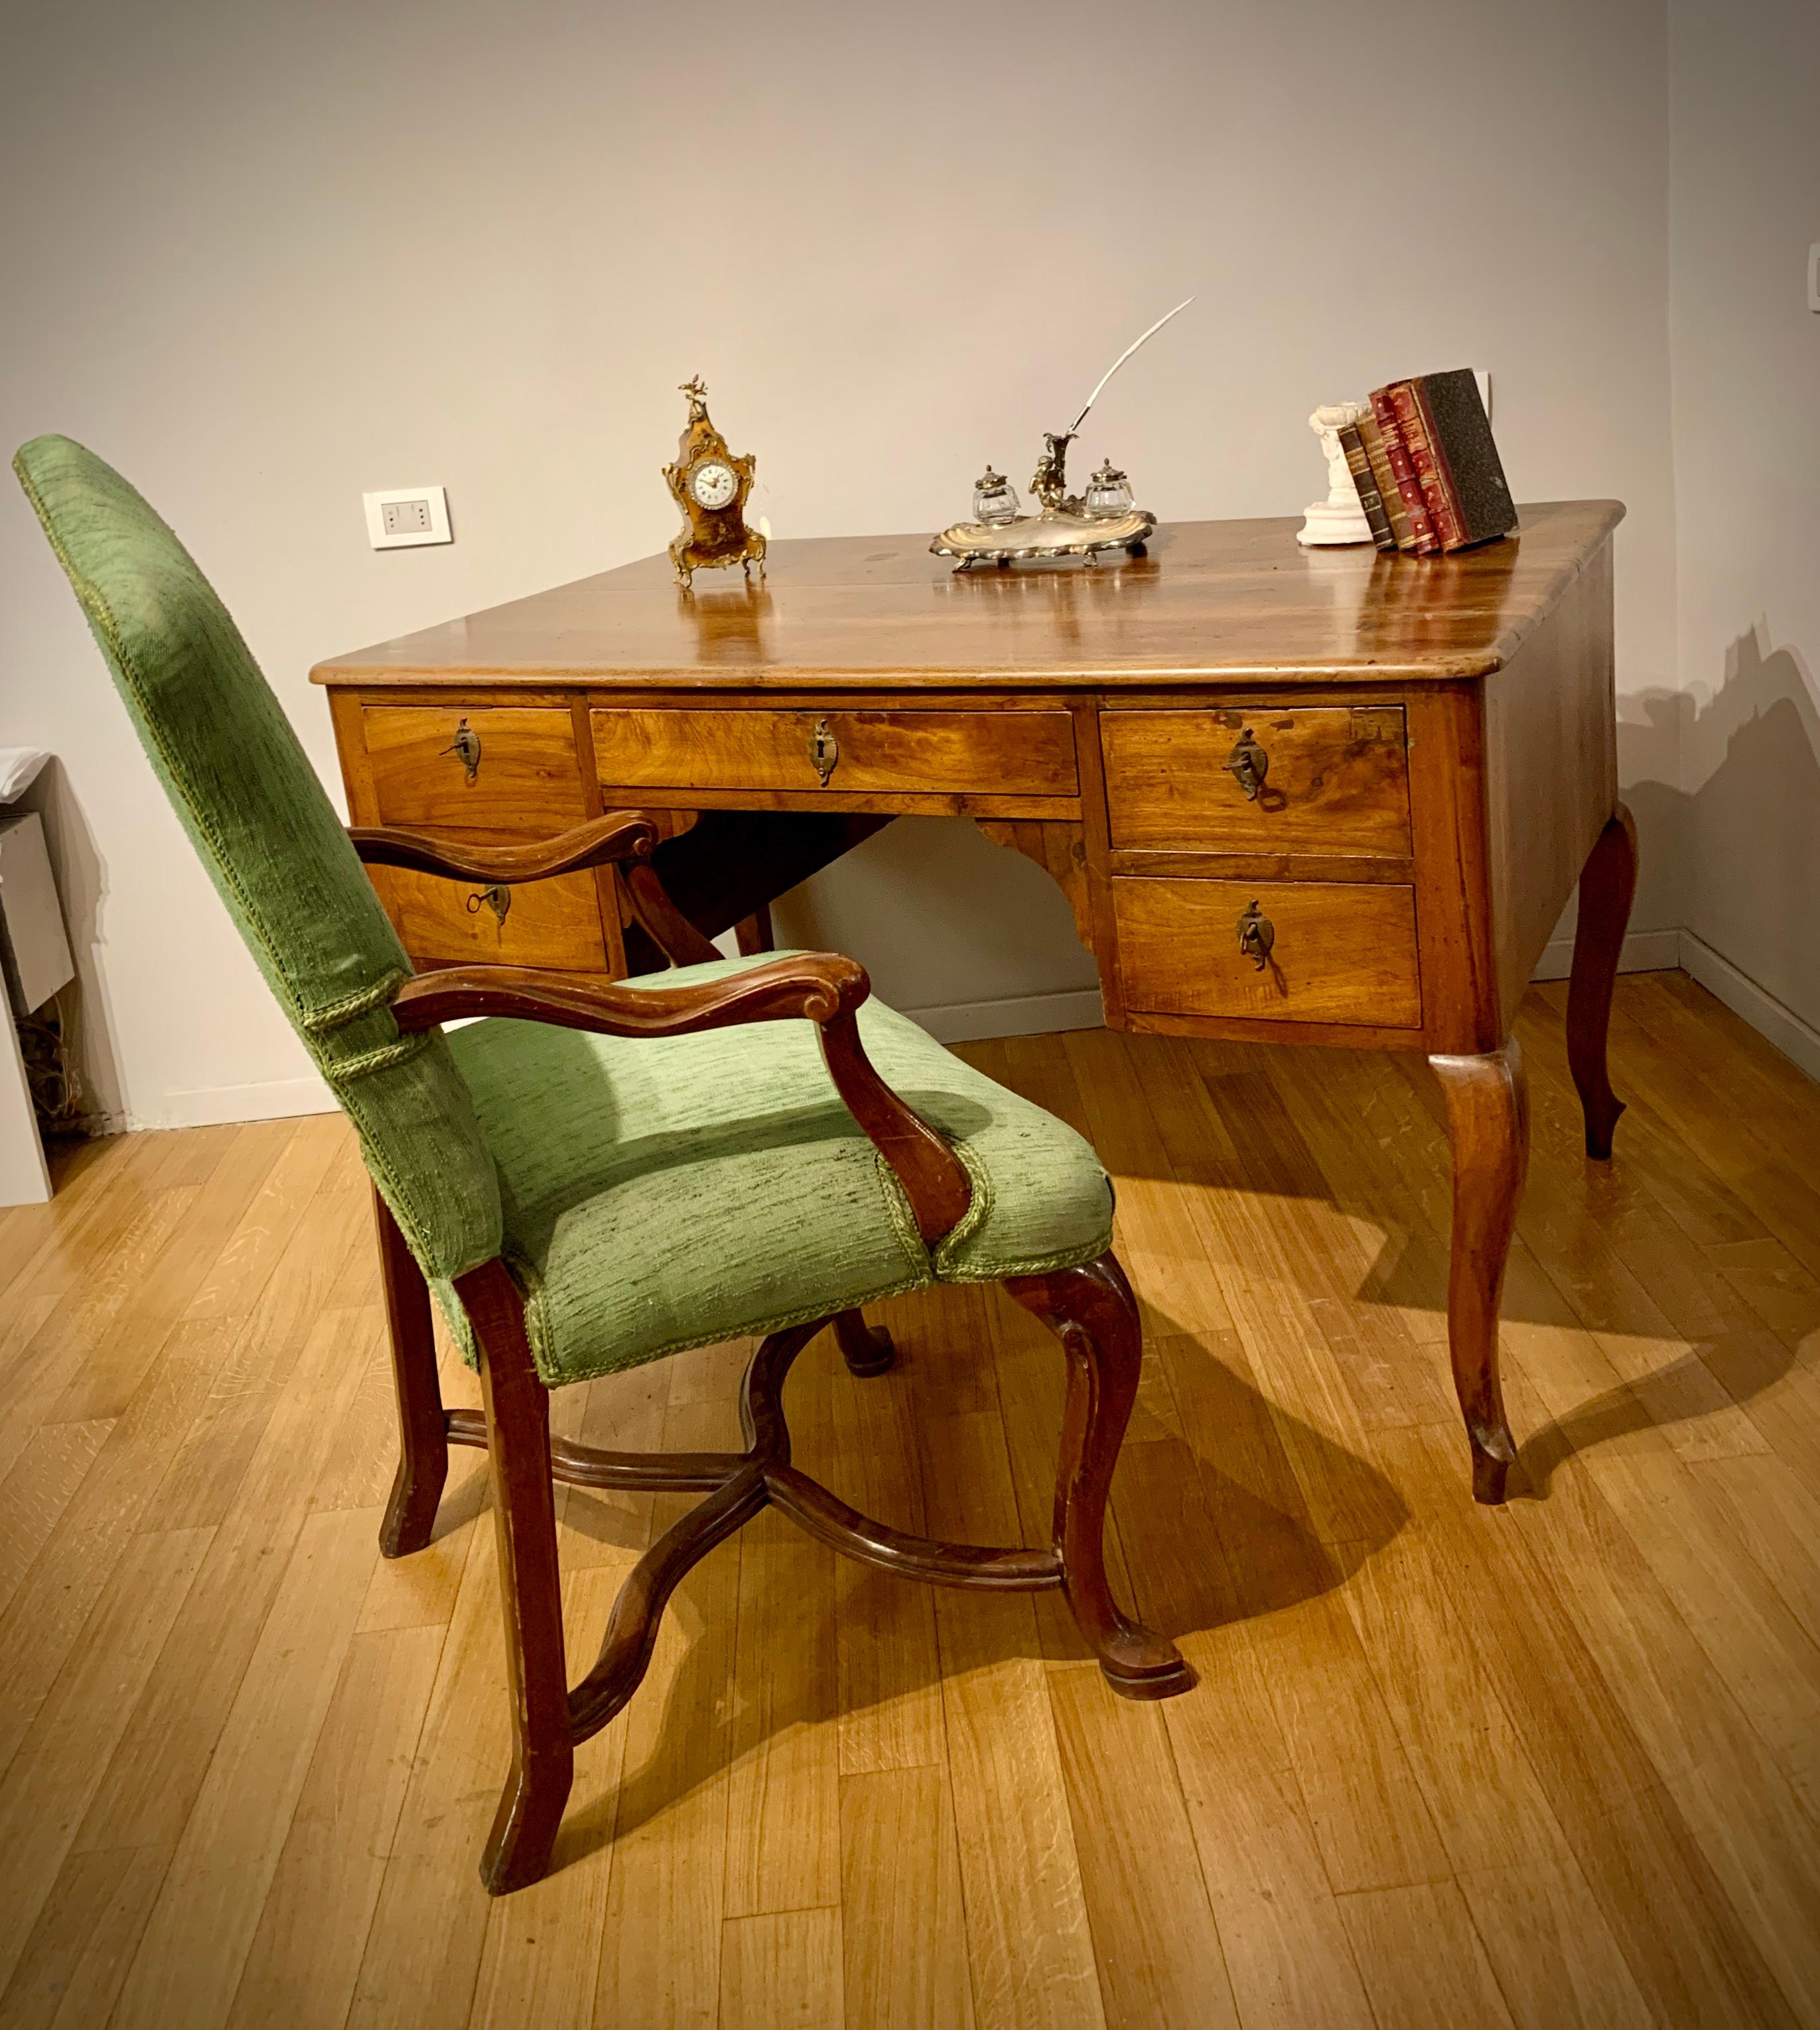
1461	500
1412	425
1366	487
1414	503
1384	480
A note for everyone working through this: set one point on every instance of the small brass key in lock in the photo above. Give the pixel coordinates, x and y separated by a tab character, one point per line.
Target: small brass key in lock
1257	935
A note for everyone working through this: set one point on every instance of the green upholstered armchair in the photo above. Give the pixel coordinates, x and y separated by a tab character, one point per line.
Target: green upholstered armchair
594	1177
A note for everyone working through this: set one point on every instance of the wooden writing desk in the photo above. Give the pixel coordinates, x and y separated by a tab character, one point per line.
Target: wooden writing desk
1326	797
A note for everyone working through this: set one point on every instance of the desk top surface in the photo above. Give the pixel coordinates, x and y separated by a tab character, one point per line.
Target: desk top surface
1212	600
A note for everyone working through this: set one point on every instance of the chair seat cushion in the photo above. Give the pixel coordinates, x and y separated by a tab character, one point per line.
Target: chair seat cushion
665	1192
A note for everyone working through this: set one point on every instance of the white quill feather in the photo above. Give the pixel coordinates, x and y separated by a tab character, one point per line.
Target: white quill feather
1074	427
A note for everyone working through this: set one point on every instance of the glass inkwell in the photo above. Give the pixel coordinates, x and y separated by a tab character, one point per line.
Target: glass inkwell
1094	524
995	500
1108	493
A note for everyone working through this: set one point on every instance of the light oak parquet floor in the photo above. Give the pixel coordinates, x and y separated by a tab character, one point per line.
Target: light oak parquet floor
1555	1765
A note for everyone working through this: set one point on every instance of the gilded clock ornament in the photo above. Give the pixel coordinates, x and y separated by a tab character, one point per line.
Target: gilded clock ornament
710	485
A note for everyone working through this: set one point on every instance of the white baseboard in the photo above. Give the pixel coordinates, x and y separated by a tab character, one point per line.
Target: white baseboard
1775	1020
274	1100
1644	951
1041	1014
1023	1015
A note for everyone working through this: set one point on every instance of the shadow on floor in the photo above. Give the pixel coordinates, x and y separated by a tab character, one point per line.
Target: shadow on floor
1258	1515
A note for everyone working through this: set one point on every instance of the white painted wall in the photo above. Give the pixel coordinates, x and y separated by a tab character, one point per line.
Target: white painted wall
263	257
1744	208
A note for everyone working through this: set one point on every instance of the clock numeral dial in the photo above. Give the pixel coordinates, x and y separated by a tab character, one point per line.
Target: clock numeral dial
712	484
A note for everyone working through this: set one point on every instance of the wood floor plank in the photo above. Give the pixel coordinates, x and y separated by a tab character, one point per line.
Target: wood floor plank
1448	1982
48	1785
1558	1964
1155	1940
1286	1951
1555	1765
84	1940
1689	1949
71	1570
904	1923
190	1961
268	1220
542	1960
313	1924
152	1782
422	1949
37	1488
660	1946
889	1667
85	1176
782	1972
783	1806
72	1237
1029	1941
165	1278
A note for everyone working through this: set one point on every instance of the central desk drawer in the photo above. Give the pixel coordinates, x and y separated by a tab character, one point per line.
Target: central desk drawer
1338	952
1331	779
1013	753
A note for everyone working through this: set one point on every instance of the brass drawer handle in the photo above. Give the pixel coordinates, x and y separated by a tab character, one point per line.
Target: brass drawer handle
1257	935
466	747
496	898
824	750
1249	764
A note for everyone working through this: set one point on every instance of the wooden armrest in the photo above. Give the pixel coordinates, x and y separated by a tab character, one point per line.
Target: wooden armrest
623	837
822	987
619	835
815	986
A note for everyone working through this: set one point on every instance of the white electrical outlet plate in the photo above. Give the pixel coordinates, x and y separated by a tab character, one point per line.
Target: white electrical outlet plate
405	516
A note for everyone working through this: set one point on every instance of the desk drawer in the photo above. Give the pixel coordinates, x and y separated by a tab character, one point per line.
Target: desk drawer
1341	952
1334	780
555	923
489	772
1012	754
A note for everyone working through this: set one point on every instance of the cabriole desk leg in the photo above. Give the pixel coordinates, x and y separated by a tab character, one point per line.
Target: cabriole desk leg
1488	1124
1607	887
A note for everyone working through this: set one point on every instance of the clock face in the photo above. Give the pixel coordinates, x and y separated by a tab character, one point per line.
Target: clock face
712	483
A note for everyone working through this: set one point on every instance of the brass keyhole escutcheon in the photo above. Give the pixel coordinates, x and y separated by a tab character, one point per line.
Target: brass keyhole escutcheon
496	898
1257	935
824	750
466	747
1249	764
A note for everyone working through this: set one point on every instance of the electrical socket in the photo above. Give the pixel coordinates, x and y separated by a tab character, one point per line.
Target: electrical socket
406	517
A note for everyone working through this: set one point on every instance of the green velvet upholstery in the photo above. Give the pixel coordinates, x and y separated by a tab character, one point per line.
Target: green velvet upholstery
256	814
663	1192
651	1194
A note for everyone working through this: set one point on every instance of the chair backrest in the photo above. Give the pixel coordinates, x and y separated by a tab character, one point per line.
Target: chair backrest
264	828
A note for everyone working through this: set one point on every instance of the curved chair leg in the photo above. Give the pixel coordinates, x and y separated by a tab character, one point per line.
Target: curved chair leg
866	1349
531	1809
1092	1311
423	1435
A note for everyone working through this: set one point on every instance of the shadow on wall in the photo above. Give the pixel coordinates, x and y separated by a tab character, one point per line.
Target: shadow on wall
1751	821
81	879
1745	842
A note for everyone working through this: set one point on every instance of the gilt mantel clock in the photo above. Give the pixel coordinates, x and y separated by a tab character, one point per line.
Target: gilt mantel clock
710	485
